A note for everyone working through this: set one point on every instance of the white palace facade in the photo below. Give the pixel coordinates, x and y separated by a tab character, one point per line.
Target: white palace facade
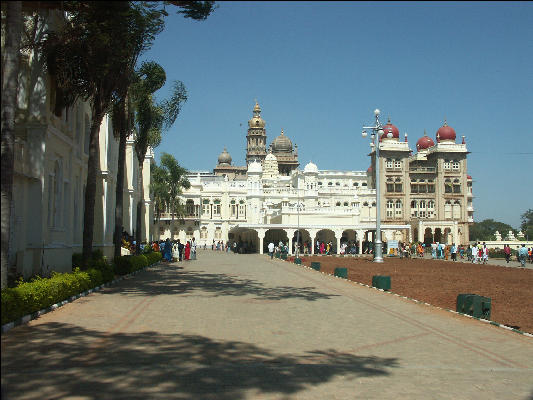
425	196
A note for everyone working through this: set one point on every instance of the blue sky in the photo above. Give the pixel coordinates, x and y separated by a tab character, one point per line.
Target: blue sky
319	69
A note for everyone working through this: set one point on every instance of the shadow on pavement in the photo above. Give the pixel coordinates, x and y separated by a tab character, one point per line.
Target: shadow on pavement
172	279
57	360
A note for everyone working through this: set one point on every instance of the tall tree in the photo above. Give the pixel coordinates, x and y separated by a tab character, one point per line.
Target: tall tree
9	102
151	120
486	229
88	56
527	224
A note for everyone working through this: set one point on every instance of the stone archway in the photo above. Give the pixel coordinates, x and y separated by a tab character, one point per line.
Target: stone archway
428	237
246	240
447	237
326	236
275	236
437	237
303	237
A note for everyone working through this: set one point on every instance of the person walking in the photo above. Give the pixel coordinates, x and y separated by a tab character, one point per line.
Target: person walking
193	249
522	255
271	250
507	252
485	253
454	252
187	251
180	250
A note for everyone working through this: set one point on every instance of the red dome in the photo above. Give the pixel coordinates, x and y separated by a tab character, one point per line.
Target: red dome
445	132
369	170
424	142
468	177
390	127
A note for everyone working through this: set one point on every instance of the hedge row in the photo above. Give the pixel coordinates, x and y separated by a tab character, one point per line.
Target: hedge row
128	264
41	293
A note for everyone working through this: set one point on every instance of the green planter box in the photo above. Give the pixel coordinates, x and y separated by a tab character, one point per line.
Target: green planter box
474	305
283	256
315	265
381	282
298	261
341	272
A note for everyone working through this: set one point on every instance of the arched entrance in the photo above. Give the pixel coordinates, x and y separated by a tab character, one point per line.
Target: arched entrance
246	240
437	237
275	236
350	239
428	237
326	236
303	238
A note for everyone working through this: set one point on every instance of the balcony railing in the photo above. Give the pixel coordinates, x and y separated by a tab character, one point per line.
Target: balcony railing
430	170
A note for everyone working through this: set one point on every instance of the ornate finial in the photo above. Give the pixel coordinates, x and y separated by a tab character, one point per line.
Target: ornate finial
388	120
425	133
406	137
445	123
463	139
281	131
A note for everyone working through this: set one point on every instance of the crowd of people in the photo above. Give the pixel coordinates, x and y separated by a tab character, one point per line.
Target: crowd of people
174	250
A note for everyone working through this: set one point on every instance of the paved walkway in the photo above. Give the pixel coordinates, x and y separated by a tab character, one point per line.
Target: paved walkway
236	327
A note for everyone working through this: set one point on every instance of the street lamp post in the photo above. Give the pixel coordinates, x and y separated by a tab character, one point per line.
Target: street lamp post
298	212
377	132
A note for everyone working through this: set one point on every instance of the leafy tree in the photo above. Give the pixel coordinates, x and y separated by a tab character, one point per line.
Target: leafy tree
486	229
88	56
167	183
527	224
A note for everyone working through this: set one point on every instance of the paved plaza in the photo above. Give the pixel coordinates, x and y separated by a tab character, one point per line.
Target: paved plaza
236	327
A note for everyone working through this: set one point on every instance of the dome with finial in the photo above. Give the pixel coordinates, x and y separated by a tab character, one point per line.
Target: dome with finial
424	142
282	144
390	130
255	168
256	121
445	132
224	158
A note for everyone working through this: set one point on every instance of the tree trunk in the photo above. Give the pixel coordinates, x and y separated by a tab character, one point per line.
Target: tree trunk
90	188
117	239
138	222
9	105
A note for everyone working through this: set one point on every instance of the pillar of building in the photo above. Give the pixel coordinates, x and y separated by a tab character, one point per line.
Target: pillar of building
338	236
360	235
290	235
312	234
261	235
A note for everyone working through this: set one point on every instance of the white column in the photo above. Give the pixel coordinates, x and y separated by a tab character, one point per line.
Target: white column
261	235
290	235
312	234
338	235
360	235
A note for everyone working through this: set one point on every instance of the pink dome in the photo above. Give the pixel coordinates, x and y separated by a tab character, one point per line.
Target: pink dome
390	128
424	142
445	132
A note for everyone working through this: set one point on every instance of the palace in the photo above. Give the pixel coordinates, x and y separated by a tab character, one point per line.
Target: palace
425	196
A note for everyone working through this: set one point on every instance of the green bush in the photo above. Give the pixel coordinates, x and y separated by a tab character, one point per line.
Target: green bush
128	264
96	256
40	293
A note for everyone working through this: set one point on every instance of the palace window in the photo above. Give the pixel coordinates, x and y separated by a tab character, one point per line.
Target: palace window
203	233
398	208
363	184
448	210
218	233
345	204
398	187
448	186
216	207
398	164
338	203
431	186
390	185
242	209
190	208
206	208
456	186
233	209
456	210
390	208
365	204
356	184
388	163
447	164
455	165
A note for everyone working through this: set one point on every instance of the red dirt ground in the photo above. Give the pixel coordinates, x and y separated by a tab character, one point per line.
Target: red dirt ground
439	282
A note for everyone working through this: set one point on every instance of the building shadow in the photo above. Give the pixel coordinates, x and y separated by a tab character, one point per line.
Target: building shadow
57	360
171	279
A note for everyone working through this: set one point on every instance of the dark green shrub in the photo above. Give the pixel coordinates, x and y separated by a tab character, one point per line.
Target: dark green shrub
122	265
96	256
41	293
153	257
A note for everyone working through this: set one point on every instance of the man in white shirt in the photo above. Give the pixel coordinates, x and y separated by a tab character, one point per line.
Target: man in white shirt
271	249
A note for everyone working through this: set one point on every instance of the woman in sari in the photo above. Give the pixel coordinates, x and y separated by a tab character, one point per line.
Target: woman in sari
188	250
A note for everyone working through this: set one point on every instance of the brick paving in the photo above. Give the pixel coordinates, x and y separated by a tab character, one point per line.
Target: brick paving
236	327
